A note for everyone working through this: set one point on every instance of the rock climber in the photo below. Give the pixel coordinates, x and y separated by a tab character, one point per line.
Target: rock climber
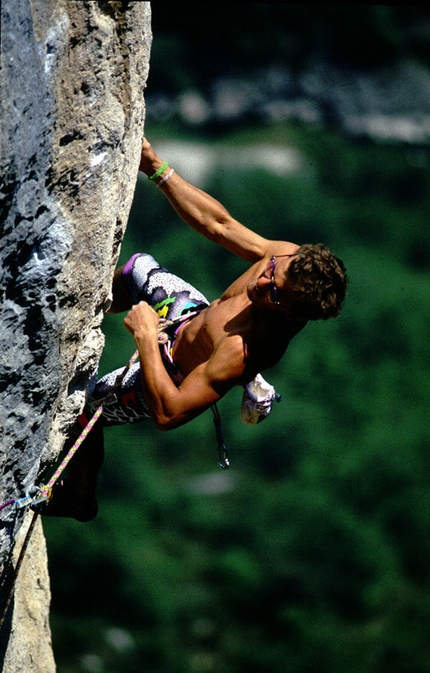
209	347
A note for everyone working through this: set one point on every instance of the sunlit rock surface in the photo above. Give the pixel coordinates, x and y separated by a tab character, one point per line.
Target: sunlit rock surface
72	110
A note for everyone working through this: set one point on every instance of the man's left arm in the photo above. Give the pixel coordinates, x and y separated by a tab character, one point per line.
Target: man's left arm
207	215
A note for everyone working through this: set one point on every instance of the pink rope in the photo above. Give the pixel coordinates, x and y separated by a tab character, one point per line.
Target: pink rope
85	432
44	491
6	504
62	466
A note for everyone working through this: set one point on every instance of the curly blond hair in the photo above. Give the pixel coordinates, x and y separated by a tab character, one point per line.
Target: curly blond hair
320	280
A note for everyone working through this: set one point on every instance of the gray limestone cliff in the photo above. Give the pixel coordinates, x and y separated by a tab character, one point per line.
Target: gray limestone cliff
72	120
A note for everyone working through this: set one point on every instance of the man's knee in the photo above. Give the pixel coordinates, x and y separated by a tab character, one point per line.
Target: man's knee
121	296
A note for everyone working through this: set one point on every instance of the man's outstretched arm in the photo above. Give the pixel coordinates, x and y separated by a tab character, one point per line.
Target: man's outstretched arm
207	215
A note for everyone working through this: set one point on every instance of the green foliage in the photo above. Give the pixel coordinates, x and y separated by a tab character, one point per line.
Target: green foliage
206	40
311	553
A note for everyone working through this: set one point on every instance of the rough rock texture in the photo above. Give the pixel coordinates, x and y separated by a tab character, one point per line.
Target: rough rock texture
72	110
30	643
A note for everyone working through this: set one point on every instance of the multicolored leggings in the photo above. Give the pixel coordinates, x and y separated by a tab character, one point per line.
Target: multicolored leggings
170	297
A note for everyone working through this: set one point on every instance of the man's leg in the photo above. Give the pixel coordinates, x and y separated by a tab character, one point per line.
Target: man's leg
74	495
168	294
143	279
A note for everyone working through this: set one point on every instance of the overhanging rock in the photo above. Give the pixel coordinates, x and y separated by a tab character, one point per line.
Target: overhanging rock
72	110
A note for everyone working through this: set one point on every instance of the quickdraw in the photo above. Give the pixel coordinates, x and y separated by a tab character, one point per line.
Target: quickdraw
223	461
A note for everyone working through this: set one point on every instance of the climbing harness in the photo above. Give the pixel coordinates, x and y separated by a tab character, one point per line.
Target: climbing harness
163	338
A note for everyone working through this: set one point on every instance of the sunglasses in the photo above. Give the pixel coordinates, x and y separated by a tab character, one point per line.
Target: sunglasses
274	290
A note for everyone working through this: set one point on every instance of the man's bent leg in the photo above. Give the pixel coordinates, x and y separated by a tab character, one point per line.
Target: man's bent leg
74	495
145	280
171	297
168	294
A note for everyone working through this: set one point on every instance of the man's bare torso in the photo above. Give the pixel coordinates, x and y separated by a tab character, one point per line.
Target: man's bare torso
258	338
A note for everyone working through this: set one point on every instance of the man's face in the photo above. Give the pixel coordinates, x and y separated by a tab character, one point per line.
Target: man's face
272	290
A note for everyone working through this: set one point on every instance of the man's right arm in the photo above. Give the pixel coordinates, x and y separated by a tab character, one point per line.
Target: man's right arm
171	406
207	215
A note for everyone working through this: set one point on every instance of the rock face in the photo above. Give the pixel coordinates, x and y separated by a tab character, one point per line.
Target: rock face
72	110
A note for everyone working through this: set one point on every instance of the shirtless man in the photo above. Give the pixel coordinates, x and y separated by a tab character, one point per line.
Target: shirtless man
227	342
249	328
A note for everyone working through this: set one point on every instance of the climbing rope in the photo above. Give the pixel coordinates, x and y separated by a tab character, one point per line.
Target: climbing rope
39	494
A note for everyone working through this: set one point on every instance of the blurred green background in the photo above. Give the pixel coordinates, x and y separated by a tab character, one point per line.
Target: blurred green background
312	553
